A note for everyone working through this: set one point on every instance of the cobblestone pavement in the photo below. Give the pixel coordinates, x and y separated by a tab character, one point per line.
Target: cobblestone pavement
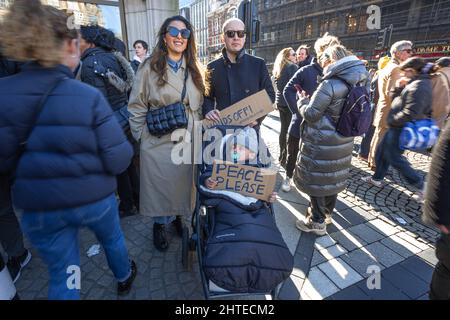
371	226
160	275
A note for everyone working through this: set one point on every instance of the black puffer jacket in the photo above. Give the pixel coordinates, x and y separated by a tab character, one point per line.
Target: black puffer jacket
96	64
437	199
325	156
411	103
286	74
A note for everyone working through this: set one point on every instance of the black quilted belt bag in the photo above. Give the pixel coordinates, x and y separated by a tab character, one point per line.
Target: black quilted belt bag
166	119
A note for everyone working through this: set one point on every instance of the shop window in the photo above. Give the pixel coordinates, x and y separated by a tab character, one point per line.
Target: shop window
333	25
232	12
324	25
362	26
352	24
85	13
216	25
308	30
4	4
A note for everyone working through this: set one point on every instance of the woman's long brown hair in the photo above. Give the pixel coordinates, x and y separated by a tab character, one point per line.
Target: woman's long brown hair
158	58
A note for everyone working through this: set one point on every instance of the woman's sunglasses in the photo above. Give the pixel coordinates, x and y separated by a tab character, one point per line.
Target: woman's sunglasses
174	32
231	33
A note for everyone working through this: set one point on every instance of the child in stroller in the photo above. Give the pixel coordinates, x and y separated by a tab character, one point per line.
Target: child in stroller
244	251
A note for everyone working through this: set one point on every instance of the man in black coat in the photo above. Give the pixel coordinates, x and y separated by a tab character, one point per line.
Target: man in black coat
436	212
236	75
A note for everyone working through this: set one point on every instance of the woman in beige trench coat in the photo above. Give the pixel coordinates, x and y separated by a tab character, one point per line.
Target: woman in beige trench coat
167	189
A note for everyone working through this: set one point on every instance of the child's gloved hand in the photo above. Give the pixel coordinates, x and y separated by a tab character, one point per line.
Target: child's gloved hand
210	183
273	197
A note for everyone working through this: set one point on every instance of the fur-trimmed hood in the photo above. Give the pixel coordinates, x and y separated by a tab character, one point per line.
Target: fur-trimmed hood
123	85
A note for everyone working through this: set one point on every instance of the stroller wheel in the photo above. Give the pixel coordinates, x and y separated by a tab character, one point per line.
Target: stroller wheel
185	248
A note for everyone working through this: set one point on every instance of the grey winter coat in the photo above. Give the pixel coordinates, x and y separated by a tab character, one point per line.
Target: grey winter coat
324	160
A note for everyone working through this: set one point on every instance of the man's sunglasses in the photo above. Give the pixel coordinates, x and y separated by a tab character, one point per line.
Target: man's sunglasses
174	32
231	33
408	50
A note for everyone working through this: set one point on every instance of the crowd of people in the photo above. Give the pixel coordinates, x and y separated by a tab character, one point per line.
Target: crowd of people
79	149
317	158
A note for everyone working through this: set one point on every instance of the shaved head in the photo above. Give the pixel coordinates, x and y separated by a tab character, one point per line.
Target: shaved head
233	24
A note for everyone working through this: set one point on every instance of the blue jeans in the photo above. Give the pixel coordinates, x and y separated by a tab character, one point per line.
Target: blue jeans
389	154
365	143
367	139
55	235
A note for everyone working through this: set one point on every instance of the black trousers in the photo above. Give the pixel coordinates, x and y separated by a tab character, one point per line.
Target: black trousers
128	188
320	206
11	237
292	153
440	283
285	119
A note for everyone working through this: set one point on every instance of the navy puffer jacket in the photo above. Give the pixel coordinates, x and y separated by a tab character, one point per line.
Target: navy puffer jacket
75	149
308	79
8	67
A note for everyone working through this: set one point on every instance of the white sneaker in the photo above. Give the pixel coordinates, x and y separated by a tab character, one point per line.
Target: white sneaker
286	186
376	183
418	196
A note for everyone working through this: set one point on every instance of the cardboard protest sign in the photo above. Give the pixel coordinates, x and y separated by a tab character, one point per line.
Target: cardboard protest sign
246	180
245	111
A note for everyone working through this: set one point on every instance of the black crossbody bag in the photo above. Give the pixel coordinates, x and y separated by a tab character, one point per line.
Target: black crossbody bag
167	119
37	112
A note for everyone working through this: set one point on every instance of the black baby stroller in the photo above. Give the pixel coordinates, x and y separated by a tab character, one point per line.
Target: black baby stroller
239	247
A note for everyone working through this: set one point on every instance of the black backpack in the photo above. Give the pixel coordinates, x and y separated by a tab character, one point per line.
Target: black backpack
356	116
